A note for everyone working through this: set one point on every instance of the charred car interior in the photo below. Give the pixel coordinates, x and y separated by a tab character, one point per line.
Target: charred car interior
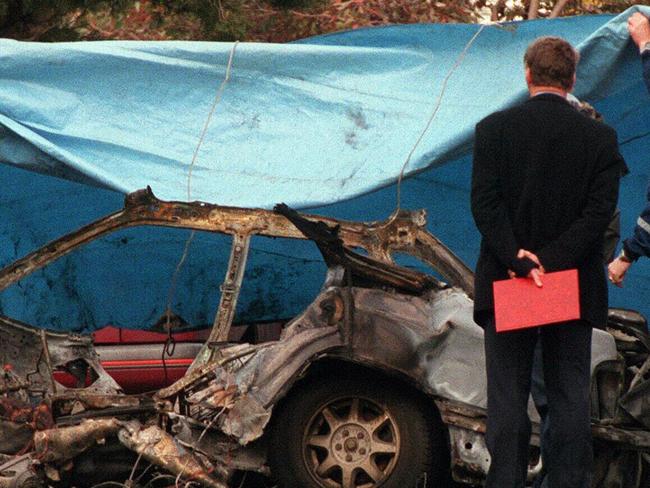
378	382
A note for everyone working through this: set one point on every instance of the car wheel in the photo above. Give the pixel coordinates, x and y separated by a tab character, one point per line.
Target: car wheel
356	433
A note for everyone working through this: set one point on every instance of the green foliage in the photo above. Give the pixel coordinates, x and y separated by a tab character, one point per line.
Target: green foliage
614	6
4	12
519	10
221	20
251	20
296	4
15	15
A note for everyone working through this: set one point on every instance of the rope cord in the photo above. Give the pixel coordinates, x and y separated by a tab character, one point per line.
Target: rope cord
169	347
436	108
217	98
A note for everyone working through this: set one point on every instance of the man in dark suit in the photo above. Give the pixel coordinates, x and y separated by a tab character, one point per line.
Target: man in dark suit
544	189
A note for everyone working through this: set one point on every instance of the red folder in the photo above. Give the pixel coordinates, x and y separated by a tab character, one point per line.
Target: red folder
519	303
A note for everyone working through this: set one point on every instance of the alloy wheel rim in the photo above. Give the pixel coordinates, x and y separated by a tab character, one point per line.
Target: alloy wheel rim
351	442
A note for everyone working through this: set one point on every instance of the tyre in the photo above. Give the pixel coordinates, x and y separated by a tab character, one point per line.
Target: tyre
357	432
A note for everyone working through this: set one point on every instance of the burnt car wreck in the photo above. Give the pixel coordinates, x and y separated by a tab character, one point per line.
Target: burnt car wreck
379	382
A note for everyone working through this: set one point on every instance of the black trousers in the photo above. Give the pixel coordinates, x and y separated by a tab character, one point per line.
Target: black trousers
566	357
538	392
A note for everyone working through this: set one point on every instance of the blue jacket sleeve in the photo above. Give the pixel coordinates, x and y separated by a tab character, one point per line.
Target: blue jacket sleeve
645	59
639	244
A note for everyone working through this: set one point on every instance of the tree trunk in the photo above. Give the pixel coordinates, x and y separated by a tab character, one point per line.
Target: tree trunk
533	9
557	9
497	9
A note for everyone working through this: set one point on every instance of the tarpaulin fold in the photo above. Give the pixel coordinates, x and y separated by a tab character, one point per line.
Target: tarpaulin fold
324	123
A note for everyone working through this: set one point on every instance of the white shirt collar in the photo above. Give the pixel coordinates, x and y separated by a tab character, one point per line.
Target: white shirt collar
549	93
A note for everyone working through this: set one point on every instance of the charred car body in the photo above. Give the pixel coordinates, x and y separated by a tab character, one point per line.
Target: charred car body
379	382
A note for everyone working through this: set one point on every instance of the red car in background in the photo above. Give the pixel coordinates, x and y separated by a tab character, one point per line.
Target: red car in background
145	361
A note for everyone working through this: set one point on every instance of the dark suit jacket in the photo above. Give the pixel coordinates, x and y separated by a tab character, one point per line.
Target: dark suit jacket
545	178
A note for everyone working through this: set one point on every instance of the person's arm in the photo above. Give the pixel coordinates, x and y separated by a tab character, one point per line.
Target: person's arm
645	58
488	207
639	27
583	234
639	244
634	247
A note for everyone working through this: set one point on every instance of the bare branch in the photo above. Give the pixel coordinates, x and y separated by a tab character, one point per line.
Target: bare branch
557	9
533	9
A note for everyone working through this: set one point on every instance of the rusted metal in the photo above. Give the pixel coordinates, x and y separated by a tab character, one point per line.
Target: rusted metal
38	416
160	448
16	437
63	443
370	314
470	424
65	402
215	396
10	382
433	252
18	422
470	459
402	232
18	473
643	371
632	438
359	268
246	419
48	359
230	288
473	419
23	348
214	444
206	371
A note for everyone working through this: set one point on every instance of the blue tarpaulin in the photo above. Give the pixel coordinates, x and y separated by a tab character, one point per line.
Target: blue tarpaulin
325	123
